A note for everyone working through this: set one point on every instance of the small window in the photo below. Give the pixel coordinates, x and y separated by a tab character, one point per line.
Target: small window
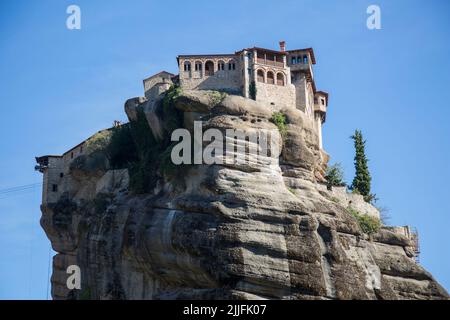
54	187
305	59
270	78
71	155
61	175
209	68
81	149
187	66
323	101
260	76
280	79
293	60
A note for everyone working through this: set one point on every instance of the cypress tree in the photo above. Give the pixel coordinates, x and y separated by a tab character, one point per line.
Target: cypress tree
361	182
252	90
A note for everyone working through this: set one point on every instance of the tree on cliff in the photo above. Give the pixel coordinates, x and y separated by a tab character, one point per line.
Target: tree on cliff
362	180
335	176
252	90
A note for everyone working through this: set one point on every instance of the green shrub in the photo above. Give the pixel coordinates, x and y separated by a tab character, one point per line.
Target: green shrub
216	97
134	147
368	224
98	142
142	171
279	119
171	116
121	150
371	198
94	163
153	156
143	175
335	176
335	200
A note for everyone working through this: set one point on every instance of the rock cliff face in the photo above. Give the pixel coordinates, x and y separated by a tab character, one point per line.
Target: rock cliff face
261	230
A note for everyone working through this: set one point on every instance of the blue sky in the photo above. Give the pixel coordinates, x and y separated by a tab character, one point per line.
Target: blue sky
60	86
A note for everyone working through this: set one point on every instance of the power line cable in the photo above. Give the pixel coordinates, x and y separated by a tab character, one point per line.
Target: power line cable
19	188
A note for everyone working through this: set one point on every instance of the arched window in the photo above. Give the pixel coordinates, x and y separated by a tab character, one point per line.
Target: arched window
270	77
260	76
220	66
305	59
209	68
198	66
187	66
231	65
280	79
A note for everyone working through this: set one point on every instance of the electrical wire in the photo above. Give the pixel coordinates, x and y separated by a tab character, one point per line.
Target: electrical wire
19	190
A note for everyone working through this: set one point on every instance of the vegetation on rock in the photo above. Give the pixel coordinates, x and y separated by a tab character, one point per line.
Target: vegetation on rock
252	90
98	142
121	150
335	176
173	118
279	119
133	146
362	180
216	97
368	224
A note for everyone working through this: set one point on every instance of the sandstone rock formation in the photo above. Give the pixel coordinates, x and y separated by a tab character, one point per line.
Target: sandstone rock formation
263	230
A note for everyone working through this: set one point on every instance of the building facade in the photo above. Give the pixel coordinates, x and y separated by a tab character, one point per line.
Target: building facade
281	77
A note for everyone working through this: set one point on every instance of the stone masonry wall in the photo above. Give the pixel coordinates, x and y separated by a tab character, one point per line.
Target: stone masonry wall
223	80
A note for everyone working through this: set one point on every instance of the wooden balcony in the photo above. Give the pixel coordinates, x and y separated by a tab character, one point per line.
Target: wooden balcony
279	64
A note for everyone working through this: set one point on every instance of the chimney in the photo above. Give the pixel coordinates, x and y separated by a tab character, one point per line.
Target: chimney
282	46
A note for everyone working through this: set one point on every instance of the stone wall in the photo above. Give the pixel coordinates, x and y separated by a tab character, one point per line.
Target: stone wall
348	199
229	79
52	179
304	95
156	84
281	96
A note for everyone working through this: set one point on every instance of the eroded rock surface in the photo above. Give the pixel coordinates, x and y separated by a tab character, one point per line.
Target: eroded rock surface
263	230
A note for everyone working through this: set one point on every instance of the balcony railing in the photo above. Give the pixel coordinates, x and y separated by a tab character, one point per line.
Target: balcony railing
270	62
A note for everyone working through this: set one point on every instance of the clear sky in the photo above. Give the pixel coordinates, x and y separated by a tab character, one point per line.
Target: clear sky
58	86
